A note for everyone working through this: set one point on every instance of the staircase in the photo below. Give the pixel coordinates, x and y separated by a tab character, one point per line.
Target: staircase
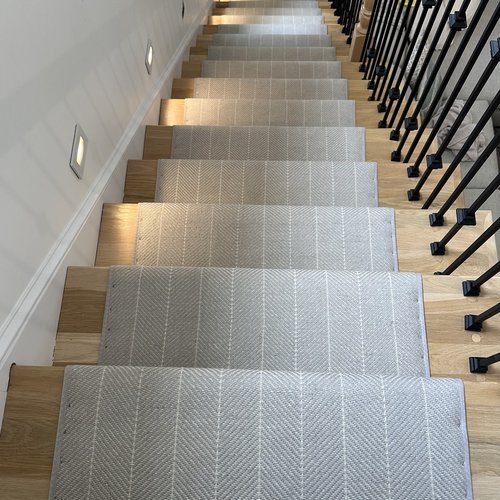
263	319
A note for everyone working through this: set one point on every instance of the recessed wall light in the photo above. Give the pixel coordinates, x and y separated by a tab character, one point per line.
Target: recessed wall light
78	151
149	57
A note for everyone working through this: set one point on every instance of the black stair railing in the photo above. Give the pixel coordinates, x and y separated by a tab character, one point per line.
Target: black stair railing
392	93
369	35
434	219
474	323
380	68
480	365
353	20
472	288
396	94
467	216
413	171
472	249
372	51
396	42
456	21
383	46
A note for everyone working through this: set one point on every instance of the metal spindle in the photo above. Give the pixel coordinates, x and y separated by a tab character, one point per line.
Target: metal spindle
371	53
446	78
369	35
481	240
480	365
383	46
354	20
459	156
396	94
472	288
393	92
474	323
458	22
397	35
467	216
412	122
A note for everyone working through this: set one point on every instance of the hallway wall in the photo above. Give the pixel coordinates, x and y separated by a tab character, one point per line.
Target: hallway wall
67	62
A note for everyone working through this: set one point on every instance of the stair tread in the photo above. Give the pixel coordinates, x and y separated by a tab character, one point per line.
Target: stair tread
255	236
271	29
271	69
317	321
270	88
287	182
291	10
268	19
268	143
271	53
270	112
163	431
248	40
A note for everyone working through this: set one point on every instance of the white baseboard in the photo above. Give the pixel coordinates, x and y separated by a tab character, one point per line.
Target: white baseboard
27	336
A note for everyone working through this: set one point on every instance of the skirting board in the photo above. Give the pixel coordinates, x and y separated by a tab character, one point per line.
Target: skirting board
27	337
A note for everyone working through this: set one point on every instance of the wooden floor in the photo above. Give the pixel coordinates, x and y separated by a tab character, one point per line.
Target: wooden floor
31	415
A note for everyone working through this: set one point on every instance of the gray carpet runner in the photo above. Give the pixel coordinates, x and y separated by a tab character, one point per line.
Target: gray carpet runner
289	10
275	29
268	143
222	40
156	433
269	237
270	88
272	3
271	69
270	112
263	19
271	53
315	321
343	184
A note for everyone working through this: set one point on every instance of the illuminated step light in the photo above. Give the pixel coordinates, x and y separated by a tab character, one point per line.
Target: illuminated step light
149	57
78	151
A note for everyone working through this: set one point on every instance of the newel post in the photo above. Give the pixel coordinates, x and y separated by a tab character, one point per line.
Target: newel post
359	33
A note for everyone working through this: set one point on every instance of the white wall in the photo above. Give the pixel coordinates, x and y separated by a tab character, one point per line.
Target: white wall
65	62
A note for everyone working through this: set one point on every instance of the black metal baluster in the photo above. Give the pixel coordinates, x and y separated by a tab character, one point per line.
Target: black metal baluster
371	53
369	35
393	92
480	365
481	240
394	42
411	123
383	45
396	94
474	323
354	20
436	221
467	216
347	16
472	288
413	172
458	22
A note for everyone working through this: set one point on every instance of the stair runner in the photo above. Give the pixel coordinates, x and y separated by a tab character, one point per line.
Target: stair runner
272	53
266	112
270	88
282	274
287	182
271	69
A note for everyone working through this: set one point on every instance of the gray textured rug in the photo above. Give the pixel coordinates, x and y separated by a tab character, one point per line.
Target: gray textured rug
269	237
223	40
156	433
262	10
271	69
270	112
314	321
275	29
271	3
270	88
343	184
285	20
268	143
271	53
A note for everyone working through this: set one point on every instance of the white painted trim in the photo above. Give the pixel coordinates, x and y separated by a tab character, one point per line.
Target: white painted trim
20	315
